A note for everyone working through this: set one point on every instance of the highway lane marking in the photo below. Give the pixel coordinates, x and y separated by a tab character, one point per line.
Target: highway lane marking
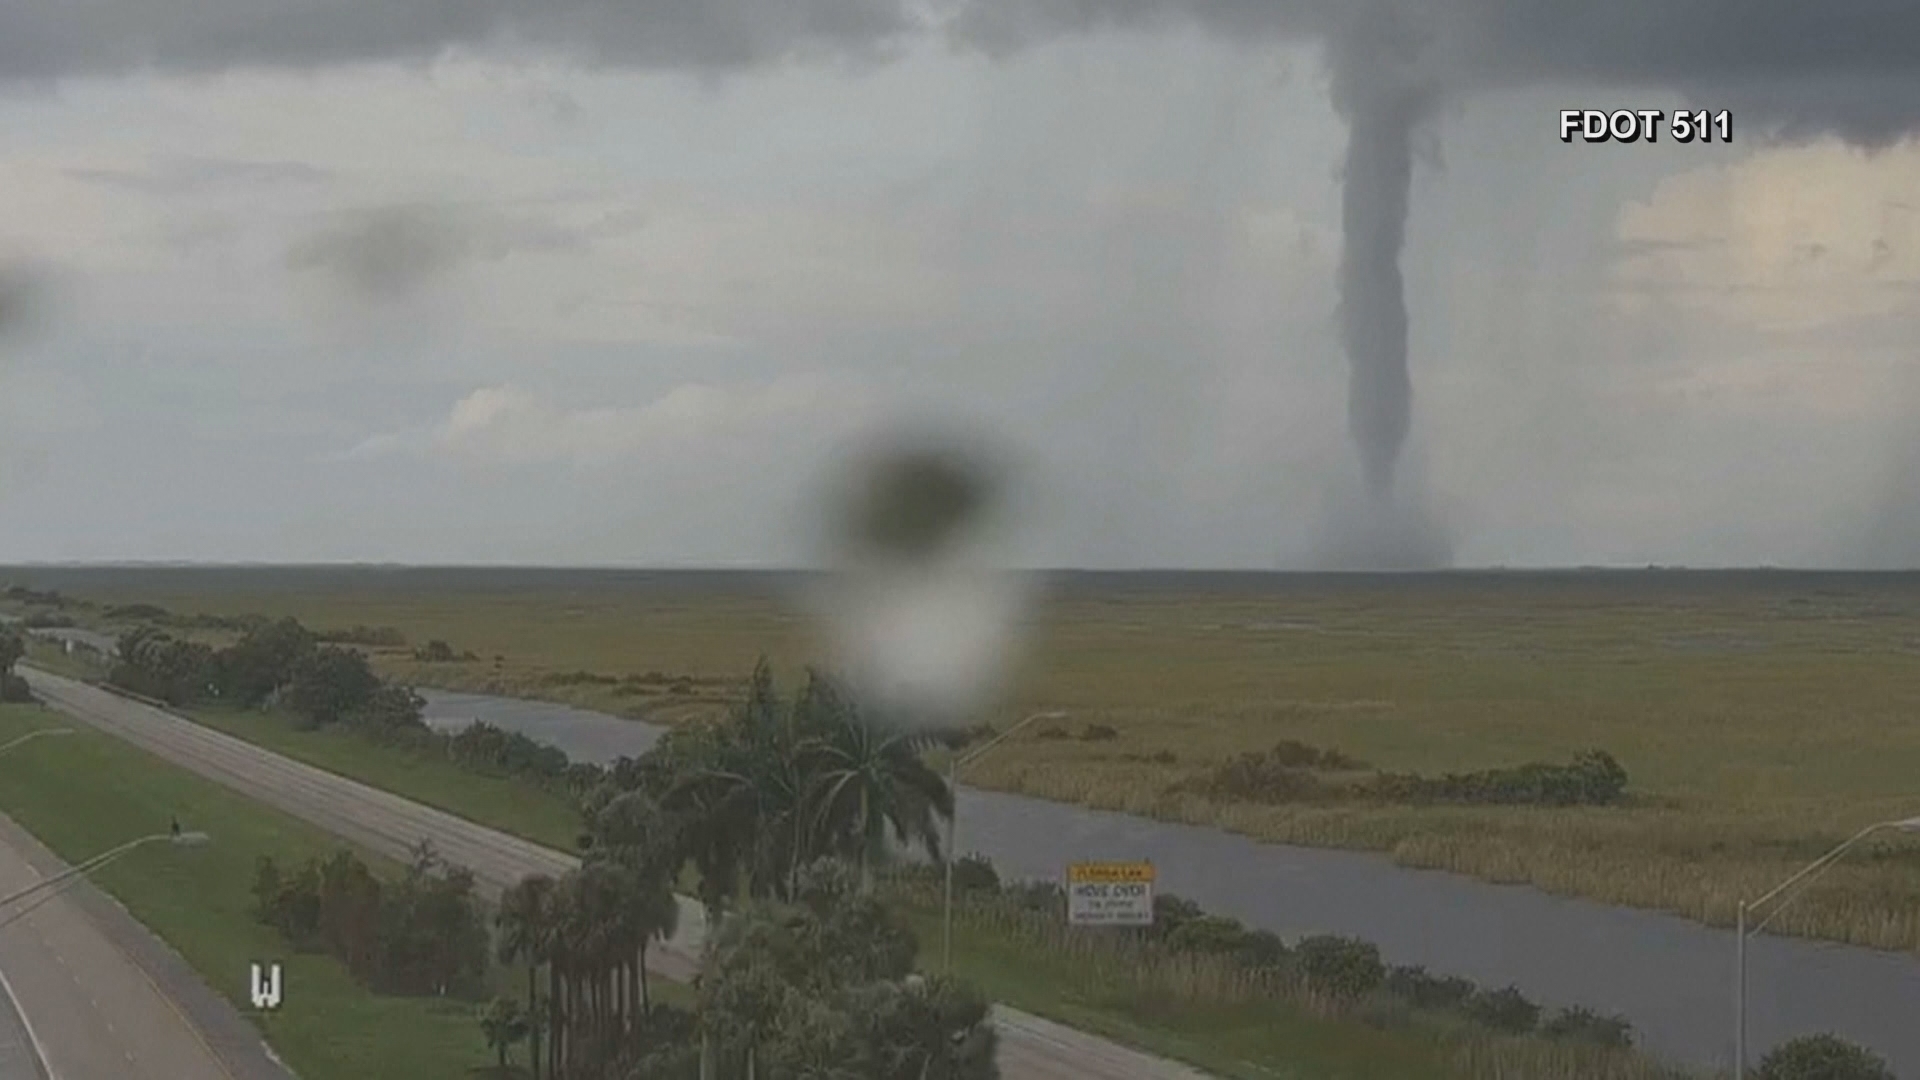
33	1037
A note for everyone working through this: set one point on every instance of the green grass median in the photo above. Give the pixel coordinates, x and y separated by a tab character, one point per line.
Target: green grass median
500	802
89	792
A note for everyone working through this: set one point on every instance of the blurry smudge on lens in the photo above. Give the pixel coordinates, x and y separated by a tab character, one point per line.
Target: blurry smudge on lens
922	611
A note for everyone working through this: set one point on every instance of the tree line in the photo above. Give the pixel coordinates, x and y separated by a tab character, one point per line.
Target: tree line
780	816
284	666
425	933
1294	772
13	688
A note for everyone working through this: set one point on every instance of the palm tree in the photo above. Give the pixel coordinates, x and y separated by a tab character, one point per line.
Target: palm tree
524	924
656	914
633	834
774	787
868	780
559	950
739	791
504	1023
592	936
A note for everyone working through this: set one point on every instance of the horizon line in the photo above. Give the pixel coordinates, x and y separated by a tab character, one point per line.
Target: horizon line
712	568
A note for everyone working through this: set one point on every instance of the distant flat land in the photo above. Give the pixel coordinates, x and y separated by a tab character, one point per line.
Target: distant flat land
1761	716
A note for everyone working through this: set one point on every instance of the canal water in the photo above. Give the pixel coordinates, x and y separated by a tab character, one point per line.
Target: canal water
1671	977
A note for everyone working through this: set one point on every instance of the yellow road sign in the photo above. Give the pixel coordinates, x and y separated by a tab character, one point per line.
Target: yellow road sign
1109	873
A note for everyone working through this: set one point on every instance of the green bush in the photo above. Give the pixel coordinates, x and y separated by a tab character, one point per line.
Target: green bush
1260	778
974	874
1170	912
14	689
378	637
1424	990
139	613
1342	967
1263	949
1298	755
1586	1026
1593	778
1282	774
1822	1057
1505	1010
22	595
1209	934
424	933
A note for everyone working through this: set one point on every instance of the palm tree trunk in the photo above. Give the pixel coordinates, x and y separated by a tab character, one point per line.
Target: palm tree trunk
634	1007
870	840
533	1018
556	1022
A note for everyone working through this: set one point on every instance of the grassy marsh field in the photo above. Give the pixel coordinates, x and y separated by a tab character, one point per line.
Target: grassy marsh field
1761	716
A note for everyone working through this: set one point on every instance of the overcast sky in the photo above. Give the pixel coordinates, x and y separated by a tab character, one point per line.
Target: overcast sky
484	308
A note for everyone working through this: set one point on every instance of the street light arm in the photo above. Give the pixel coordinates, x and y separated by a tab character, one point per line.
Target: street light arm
1003	736
77	870
31	735
1815	868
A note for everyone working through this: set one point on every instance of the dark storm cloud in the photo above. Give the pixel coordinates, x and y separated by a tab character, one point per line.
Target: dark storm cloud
1793	67
1787	69
388	252
81	37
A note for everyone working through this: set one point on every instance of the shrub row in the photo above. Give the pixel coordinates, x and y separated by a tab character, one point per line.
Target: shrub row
1291	773
20	594
13	688
154	613
425	933
1344	970
439	652
373	637
480	747
1593	778
284	665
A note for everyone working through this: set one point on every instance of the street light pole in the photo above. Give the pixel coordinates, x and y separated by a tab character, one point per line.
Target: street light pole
1803	879
1740	996
953	823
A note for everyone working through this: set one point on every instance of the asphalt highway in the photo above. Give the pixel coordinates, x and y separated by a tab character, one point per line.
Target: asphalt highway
1030	1048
